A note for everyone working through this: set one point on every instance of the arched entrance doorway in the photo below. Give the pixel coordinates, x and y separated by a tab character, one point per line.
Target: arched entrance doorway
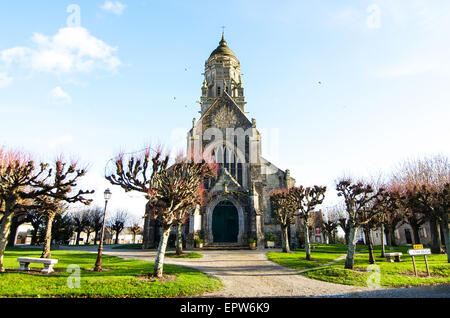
225	223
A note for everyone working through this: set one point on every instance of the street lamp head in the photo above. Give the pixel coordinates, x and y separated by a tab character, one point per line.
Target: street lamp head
107	194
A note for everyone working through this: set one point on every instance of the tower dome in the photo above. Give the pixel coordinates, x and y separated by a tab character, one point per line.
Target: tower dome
222	75
223	49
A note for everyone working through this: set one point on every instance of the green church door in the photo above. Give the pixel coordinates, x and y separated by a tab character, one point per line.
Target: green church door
225	223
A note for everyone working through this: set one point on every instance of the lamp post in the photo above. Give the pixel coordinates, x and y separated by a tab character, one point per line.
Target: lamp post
98	263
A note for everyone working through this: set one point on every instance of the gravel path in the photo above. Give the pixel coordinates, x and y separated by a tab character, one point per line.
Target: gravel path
248	274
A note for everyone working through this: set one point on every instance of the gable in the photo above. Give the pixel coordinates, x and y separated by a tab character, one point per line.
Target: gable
226	178
224	113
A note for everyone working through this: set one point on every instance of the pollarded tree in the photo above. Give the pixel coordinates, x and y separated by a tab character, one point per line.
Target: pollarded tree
62	229
171	190
135	228
434	202
359	199
117	223
183	215
59	192
394	212
413	215
96	221
431	172
443	202
305	201
49	208
385	201
22	181
330	222
37	220
80	221
342	218
174	194
285	211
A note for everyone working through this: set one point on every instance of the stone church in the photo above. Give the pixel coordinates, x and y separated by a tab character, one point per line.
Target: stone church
238	205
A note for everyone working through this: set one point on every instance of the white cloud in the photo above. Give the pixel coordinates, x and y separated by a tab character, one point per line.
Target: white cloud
59	96
59	141
5	80
114	7
71	50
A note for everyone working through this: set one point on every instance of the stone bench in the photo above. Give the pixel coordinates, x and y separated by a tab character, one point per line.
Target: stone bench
48	263
391	256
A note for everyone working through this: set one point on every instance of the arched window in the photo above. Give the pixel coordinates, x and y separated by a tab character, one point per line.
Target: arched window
239	173
233	166
227	158
219	157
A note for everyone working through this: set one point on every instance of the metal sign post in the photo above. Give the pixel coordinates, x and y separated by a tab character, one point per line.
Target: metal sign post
418	252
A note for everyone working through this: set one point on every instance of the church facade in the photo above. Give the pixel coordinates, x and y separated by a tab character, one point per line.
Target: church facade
238	206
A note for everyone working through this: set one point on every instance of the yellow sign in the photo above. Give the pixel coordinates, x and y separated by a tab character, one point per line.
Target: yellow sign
418	246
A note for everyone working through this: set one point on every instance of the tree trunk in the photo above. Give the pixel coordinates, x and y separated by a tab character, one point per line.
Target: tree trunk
387	232
159	262
350	259
48	237
393	238
328	238
146	233
4	233
179	240
13	231
34	234
96	237
285	239
441	230
446	234
78	237
87	237
370	246
116	241
347	236
435	237
416	234
382	241
307	243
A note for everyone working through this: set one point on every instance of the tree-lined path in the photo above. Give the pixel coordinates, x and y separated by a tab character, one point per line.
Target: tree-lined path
248	274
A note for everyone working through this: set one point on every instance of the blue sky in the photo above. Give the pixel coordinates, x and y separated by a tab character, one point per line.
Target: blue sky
131	75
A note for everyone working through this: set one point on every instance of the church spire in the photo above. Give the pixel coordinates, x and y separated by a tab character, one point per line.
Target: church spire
222	74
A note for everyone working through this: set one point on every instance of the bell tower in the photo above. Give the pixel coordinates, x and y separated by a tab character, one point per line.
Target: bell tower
222	75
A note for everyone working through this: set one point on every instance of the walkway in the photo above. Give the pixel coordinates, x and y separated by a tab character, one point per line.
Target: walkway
248	274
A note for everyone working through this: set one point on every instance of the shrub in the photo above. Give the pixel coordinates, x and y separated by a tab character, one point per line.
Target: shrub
199	241
270	237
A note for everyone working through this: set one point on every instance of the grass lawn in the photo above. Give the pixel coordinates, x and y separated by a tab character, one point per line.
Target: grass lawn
124	278
391	274
321	254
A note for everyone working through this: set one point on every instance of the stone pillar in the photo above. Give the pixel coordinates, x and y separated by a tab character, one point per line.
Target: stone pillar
293	238
257	218
195	226
259	231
